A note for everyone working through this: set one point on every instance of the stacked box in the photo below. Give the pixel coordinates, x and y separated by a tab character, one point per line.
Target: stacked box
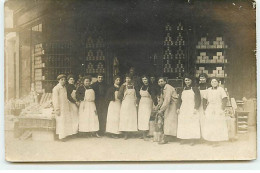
168	40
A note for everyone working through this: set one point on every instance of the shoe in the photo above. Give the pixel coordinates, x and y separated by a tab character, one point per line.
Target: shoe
126	137
115	137
146	139
163	142
97	135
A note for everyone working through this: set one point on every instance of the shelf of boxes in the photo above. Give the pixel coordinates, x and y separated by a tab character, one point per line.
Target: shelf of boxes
242	121
95	58
211	58
50	60
217	44
173	57
219	72
219	58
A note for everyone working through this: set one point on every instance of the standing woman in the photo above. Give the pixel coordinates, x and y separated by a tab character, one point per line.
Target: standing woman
188	104
203	86
88	118
215	122
113	113
61	109
148	97
128	112
73	104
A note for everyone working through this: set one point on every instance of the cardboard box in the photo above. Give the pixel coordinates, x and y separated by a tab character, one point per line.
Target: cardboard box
203	39
214	46
220	61
208	60
201	68
203	46
225	60
215	71
205	71
218	68
219	54
218	38
220	71
202	53
215	57
199	57
221	57
219	46
203	61
215	42
198	47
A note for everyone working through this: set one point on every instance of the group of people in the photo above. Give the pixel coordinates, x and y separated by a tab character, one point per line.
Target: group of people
197	112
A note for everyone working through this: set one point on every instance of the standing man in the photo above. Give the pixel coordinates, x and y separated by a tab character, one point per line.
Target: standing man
100	92
167	109
135	78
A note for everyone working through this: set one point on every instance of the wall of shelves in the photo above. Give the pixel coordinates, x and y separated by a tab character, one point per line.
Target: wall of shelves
211	58
50	60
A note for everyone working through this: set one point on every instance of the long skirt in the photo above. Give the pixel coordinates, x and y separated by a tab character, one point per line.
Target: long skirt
215	125
75	117
113	116
128	115
88	119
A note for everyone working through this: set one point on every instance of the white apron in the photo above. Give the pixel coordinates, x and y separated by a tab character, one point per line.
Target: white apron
113	115
61	103
215	125
145	110
128	112
202	112
88	119
188	122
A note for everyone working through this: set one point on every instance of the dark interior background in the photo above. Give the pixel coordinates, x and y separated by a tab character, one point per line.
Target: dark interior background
134	30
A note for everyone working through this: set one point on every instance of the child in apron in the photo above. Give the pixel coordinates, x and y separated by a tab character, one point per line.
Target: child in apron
128	111
189	117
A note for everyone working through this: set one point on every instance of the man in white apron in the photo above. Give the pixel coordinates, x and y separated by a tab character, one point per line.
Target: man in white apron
167	108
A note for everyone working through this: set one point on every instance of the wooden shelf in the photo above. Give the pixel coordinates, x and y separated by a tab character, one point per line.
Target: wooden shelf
226	63
211	48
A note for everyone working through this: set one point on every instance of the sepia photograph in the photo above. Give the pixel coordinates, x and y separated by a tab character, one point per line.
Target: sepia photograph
130	80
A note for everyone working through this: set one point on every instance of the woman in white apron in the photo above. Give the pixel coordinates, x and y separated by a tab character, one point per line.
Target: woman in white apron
73	104
60	102
128	111
88	118
189	118
113	113
215	125
203	86
148	96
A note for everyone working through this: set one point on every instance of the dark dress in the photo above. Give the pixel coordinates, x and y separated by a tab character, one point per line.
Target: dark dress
100	89
70	88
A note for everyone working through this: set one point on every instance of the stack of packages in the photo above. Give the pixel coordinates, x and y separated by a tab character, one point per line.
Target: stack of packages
90	68
90	56
217	44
